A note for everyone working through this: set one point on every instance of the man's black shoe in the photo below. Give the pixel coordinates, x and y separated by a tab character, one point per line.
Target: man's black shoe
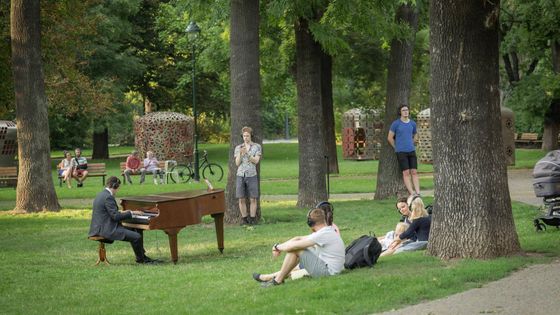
271	283
244	221
148	260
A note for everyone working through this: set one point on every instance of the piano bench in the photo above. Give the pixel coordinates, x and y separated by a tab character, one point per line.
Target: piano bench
101	248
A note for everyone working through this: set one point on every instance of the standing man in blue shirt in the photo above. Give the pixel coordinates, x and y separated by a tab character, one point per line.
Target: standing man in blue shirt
402	137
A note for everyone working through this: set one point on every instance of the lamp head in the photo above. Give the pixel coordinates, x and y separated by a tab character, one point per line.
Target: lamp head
192	30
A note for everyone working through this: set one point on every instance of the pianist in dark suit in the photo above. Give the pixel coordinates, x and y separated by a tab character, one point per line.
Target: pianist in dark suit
106	218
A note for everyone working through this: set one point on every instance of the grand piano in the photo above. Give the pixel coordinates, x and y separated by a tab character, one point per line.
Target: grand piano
171	212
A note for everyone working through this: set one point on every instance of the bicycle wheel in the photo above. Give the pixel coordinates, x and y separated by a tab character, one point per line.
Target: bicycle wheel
213	172
181	173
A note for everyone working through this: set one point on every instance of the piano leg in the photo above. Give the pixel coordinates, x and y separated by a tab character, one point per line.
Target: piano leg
219	223
172	234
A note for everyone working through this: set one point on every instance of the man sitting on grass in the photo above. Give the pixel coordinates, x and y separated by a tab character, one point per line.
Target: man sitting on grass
321	253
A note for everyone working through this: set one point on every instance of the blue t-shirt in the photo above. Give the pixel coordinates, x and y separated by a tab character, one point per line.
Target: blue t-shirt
404	133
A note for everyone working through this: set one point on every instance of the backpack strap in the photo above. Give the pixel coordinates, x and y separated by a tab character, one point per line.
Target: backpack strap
366	255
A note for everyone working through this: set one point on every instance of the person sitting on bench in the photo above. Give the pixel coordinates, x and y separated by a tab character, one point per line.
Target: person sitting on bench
106	218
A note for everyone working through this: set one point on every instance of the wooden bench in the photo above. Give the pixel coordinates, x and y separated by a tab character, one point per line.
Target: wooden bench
161	165
8	176
528	138
94	170
101	248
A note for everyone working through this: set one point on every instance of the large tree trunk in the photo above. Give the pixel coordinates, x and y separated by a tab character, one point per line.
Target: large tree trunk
389	176
245	90
101	144
552	117
328	112
312	170
35	189
472	211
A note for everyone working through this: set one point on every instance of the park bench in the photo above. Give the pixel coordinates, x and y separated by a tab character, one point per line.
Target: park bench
8	176
94	170
161	165
101	249
528	138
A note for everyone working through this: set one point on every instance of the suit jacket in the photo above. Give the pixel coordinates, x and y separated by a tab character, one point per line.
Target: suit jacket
105	217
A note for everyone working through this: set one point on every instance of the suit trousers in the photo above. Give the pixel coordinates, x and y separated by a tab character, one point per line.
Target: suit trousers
136	239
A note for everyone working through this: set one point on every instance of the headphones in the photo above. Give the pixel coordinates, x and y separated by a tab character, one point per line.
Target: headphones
412	200
324	205
310	221
113	182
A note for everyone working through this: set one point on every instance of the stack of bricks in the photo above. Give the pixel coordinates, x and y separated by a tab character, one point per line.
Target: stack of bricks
361	134
508	134
424	149
169	135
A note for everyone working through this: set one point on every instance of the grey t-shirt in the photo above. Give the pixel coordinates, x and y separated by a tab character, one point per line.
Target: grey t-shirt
330	248
247	168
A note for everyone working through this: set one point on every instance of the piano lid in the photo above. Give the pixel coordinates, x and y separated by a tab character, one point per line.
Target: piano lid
172	196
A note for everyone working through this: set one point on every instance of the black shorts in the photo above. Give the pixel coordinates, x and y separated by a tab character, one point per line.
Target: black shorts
407	160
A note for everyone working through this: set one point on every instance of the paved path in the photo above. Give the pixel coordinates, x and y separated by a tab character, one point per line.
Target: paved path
533	290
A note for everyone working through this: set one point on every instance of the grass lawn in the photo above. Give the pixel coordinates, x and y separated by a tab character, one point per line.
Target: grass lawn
47	267
279	174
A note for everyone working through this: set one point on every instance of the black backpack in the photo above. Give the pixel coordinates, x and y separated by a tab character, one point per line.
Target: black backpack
362	252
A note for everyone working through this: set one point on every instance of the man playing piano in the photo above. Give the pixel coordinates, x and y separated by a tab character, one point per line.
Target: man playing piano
106	218
321	253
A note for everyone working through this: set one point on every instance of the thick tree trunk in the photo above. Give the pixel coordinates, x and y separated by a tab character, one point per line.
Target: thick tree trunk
389	176
552	117
245	90
328	112
101	144
312	170
472	211
35	189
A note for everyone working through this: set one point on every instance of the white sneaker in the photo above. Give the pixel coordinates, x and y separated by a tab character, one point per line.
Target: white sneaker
155	182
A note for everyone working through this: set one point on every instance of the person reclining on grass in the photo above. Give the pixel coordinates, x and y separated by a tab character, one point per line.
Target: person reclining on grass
420	227
321	253
106	218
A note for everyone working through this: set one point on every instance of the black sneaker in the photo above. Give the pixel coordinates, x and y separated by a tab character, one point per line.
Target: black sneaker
148	260
80	184
271	283
244	221
253	221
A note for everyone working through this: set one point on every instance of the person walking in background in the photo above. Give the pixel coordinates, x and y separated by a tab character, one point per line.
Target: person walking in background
65	168
247	155
402	137
133	166
79	165
151	164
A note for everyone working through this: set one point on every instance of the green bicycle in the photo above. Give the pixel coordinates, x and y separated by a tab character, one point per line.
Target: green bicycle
182	173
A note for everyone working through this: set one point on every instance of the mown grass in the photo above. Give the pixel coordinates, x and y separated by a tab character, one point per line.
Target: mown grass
47	267
279	174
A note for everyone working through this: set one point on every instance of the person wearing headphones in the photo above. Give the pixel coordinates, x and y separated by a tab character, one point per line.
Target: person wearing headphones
402	137
106	218
247	155
321	253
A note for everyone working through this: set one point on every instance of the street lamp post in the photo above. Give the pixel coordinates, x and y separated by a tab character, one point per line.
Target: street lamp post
192	32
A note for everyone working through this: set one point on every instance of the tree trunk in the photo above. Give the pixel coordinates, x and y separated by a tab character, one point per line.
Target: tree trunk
328	112
101	144
389	176
245	90
35	189
312	170
552	117
472	212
